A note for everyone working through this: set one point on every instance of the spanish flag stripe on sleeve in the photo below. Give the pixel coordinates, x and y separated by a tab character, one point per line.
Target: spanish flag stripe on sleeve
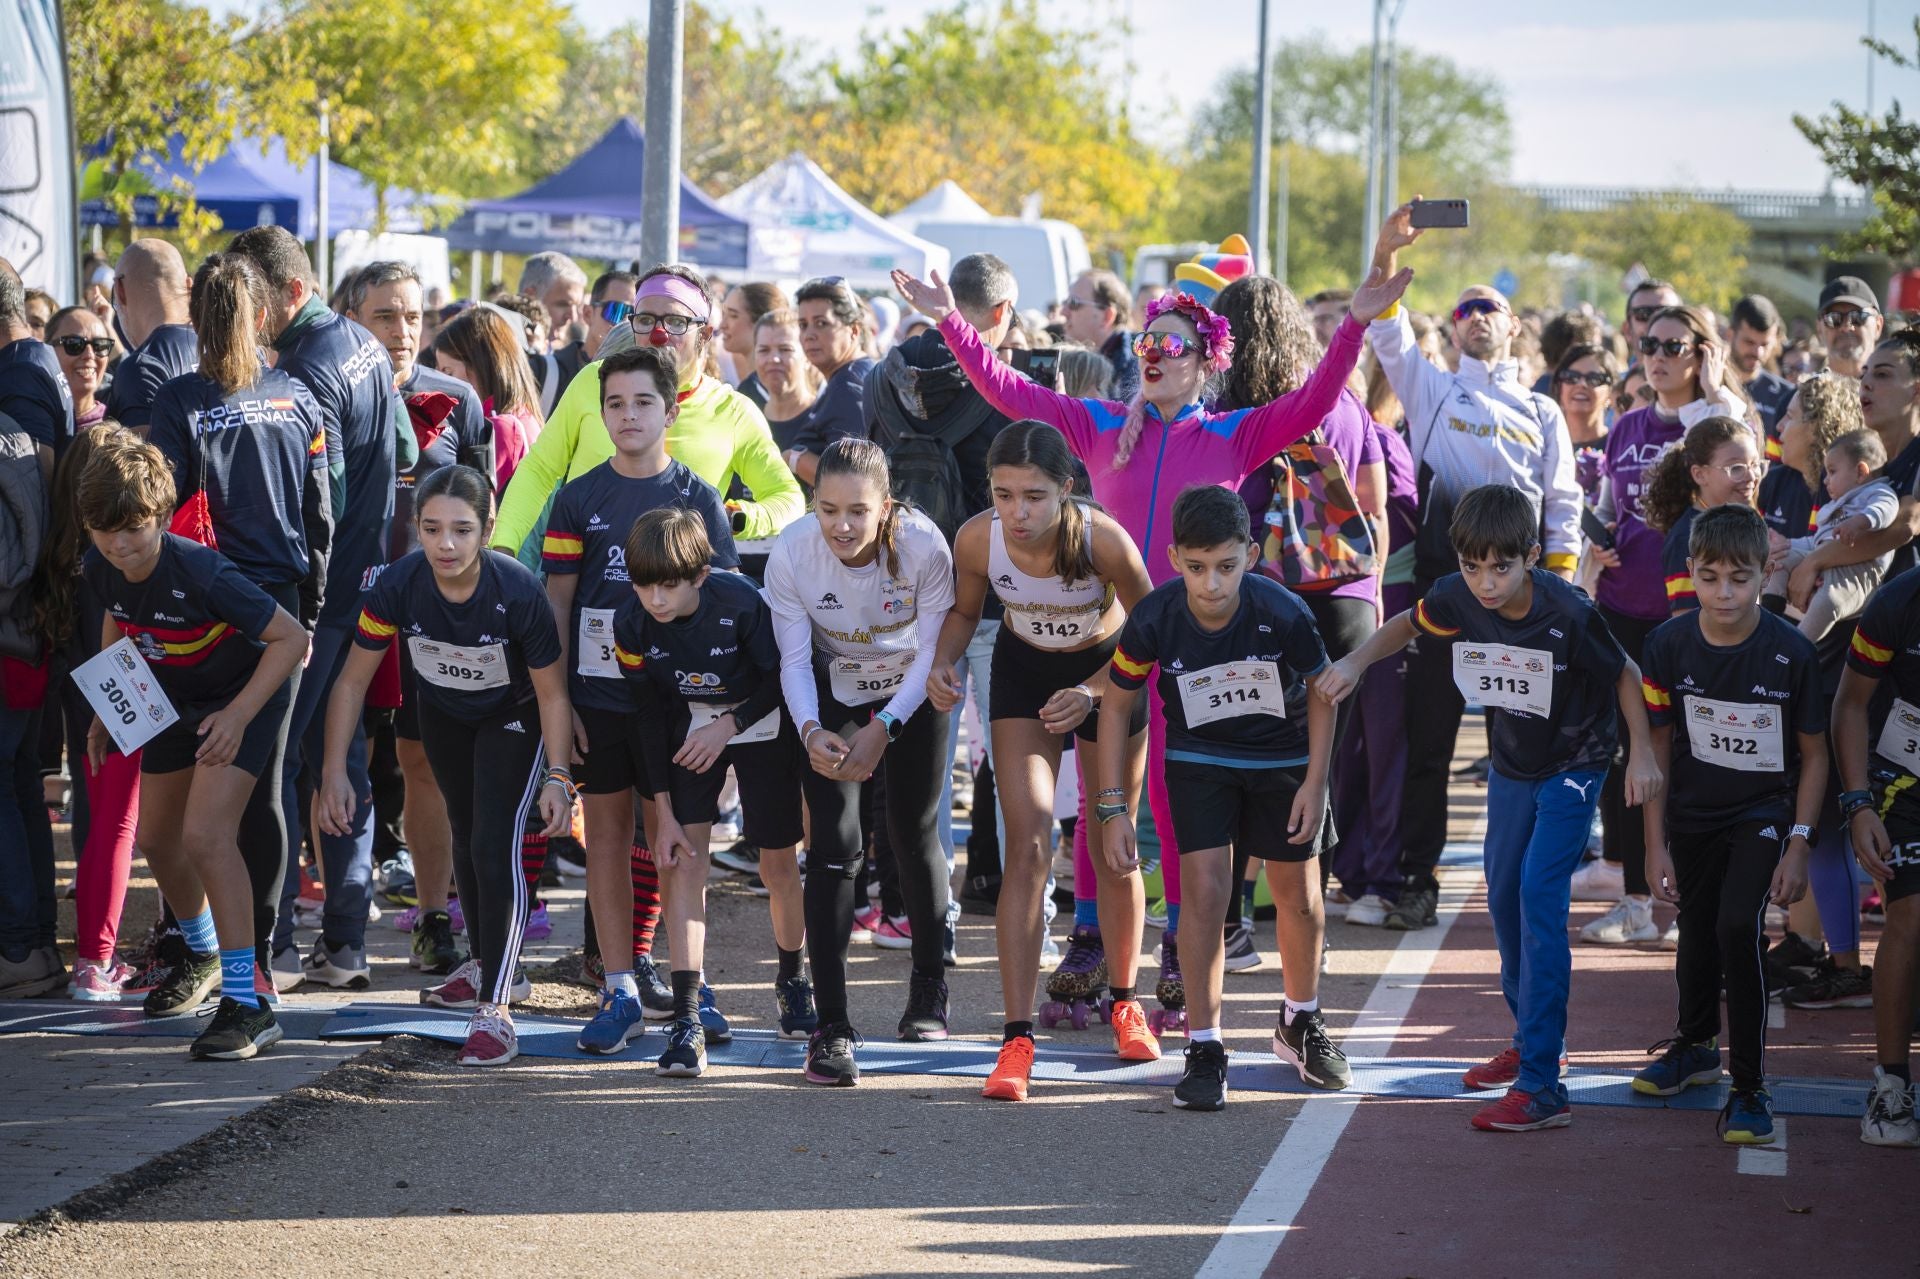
1427	624
1869	652
1131	667
560	546
1657	698
1680	586
375	629
1773	449
317	445
632	661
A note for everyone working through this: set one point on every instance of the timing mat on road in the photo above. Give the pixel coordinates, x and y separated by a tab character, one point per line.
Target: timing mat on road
1403	1077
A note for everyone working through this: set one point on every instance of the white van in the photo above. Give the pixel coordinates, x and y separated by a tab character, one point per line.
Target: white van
1046	255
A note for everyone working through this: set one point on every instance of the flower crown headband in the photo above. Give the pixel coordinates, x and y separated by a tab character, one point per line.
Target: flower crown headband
1216	335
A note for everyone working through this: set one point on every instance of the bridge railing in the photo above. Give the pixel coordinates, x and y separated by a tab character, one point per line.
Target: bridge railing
1751	206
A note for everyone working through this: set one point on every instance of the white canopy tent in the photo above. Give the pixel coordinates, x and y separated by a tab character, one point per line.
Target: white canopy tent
803	225
945	203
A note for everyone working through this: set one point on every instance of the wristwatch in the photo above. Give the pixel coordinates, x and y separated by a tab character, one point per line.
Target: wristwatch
1852	801
891	722
1808	833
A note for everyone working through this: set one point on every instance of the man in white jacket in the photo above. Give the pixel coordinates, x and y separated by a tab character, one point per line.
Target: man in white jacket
1478	426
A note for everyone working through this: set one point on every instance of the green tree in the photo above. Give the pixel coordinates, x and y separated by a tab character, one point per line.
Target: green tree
1699	247
1882	155
145	72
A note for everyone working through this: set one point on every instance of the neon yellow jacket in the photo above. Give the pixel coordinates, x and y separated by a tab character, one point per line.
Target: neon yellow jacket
719	434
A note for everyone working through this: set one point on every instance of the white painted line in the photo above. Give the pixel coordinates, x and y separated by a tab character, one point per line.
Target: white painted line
1766	1161
1265	1216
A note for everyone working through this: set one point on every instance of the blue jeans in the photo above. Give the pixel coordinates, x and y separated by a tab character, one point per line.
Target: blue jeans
348	859
28	911
1536	836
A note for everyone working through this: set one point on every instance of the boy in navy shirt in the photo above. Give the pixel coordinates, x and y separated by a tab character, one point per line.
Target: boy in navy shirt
1733	693
1532	650
1247	756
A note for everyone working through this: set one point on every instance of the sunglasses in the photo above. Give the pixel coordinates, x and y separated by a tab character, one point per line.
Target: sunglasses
1477	306
1850	318
614	312
1594	380
75	345
1643	314
1672	346
647	322
1171	345
1074	304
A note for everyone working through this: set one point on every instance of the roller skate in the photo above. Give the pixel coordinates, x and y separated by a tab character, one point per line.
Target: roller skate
1171	1016
1074	989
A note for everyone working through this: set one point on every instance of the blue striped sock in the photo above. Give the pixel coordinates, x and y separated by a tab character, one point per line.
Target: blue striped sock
1173	918
236	976
1086	912
201	938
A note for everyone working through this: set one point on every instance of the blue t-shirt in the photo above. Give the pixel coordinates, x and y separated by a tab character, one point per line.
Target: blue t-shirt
169	351
840	410
33	392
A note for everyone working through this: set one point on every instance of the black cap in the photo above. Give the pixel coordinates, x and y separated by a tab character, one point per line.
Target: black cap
1848	288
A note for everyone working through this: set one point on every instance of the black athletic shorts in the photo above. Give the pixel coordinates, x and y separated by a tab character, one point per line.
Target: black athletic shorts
1025	678
173	750
1215	806
769	777
1903	859
614	760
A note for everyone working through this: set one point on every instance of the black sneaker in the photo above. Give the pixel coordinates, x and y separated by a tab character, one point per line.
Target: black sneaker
1204	1084
1793	961
1305	1044
926	1015
237	1032
685	1056
434	950
1833	987
830	1056
656	997
797	1016
981	896
742	858
1415	909
190	983
758	886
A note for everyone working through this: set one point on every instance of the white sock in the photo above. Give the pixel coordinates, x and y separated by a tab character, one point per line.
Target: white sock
623	983
1294	1010
1211	1035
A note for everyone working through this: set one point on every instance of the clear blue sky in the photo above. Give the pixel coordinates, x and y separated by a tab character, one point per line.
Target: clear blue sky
1631	92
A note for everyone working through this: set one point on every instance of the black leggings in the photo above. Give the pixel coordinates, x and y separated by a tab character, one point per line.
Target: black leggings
1724	876
263	824
1434	707
915	763
490	774
1623	835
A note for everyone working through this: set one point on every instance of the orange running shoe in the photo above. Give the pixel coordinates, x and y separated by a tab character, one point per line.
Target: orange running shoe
1133	1039
1008	1082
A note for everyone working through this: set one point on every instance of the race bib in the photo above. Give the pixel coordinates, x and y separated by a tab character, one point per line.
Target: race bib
463	669
1745	736
1044	629
119	685
1500	675
856	681
594	651
1230	690
1900	736
764	729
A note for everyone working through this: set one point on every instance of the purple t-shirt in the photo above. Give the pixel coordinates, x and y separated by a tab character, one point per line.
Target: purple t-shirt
1637	588
1350	432
1403	488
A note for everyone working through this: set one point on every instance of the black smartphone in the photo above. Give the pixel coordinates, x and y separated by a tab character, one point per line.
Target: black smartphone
1439	213
1041	364
1597	532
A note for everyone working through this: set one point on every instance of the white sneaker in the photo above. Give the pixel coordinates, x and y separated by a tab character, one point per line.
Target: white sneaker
1670	940
288	970
1370	911
1630	920
1599	881
1049	949
1889	1120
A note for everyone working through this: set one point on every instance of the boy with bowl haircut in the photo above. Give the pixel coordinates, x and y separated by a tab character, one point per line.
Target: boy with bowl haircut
1733	693
1533	650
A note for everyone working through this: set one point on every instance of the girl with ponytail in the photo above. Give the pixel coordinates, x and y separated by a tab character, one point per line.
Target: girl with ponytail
1066	574
1717	462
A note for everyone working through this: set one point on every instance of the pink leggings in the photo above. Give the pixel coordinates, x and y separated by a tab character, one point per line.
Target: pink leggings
100	888
1083	881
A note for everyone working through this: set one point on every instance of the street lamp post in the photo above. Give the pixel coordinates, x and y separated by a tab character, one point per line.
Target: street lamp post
660	184
1262	143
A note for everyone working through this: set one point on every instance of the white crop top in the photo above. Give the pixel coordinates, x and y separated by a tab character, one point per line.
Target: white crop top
1046	612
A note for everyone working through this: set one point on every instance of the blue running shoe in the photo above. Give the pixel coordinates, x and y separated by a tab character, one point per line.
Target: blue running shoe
1519	1111
798	1018
618	1020
1681	1066
1747	1119
719	1030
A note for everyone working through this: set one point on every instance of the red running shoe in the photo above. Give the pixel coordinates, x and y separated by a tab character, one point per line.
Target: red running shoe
491	1040
1524	1111
1502	1072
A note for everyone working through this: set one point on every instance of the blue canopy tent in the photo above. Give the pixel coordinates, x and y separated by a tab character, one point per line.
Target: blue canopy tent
255	185
591	209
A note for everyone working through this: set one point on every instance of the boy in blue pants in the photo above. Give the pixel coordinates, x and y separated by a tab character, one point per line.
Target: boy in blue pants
1533	651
